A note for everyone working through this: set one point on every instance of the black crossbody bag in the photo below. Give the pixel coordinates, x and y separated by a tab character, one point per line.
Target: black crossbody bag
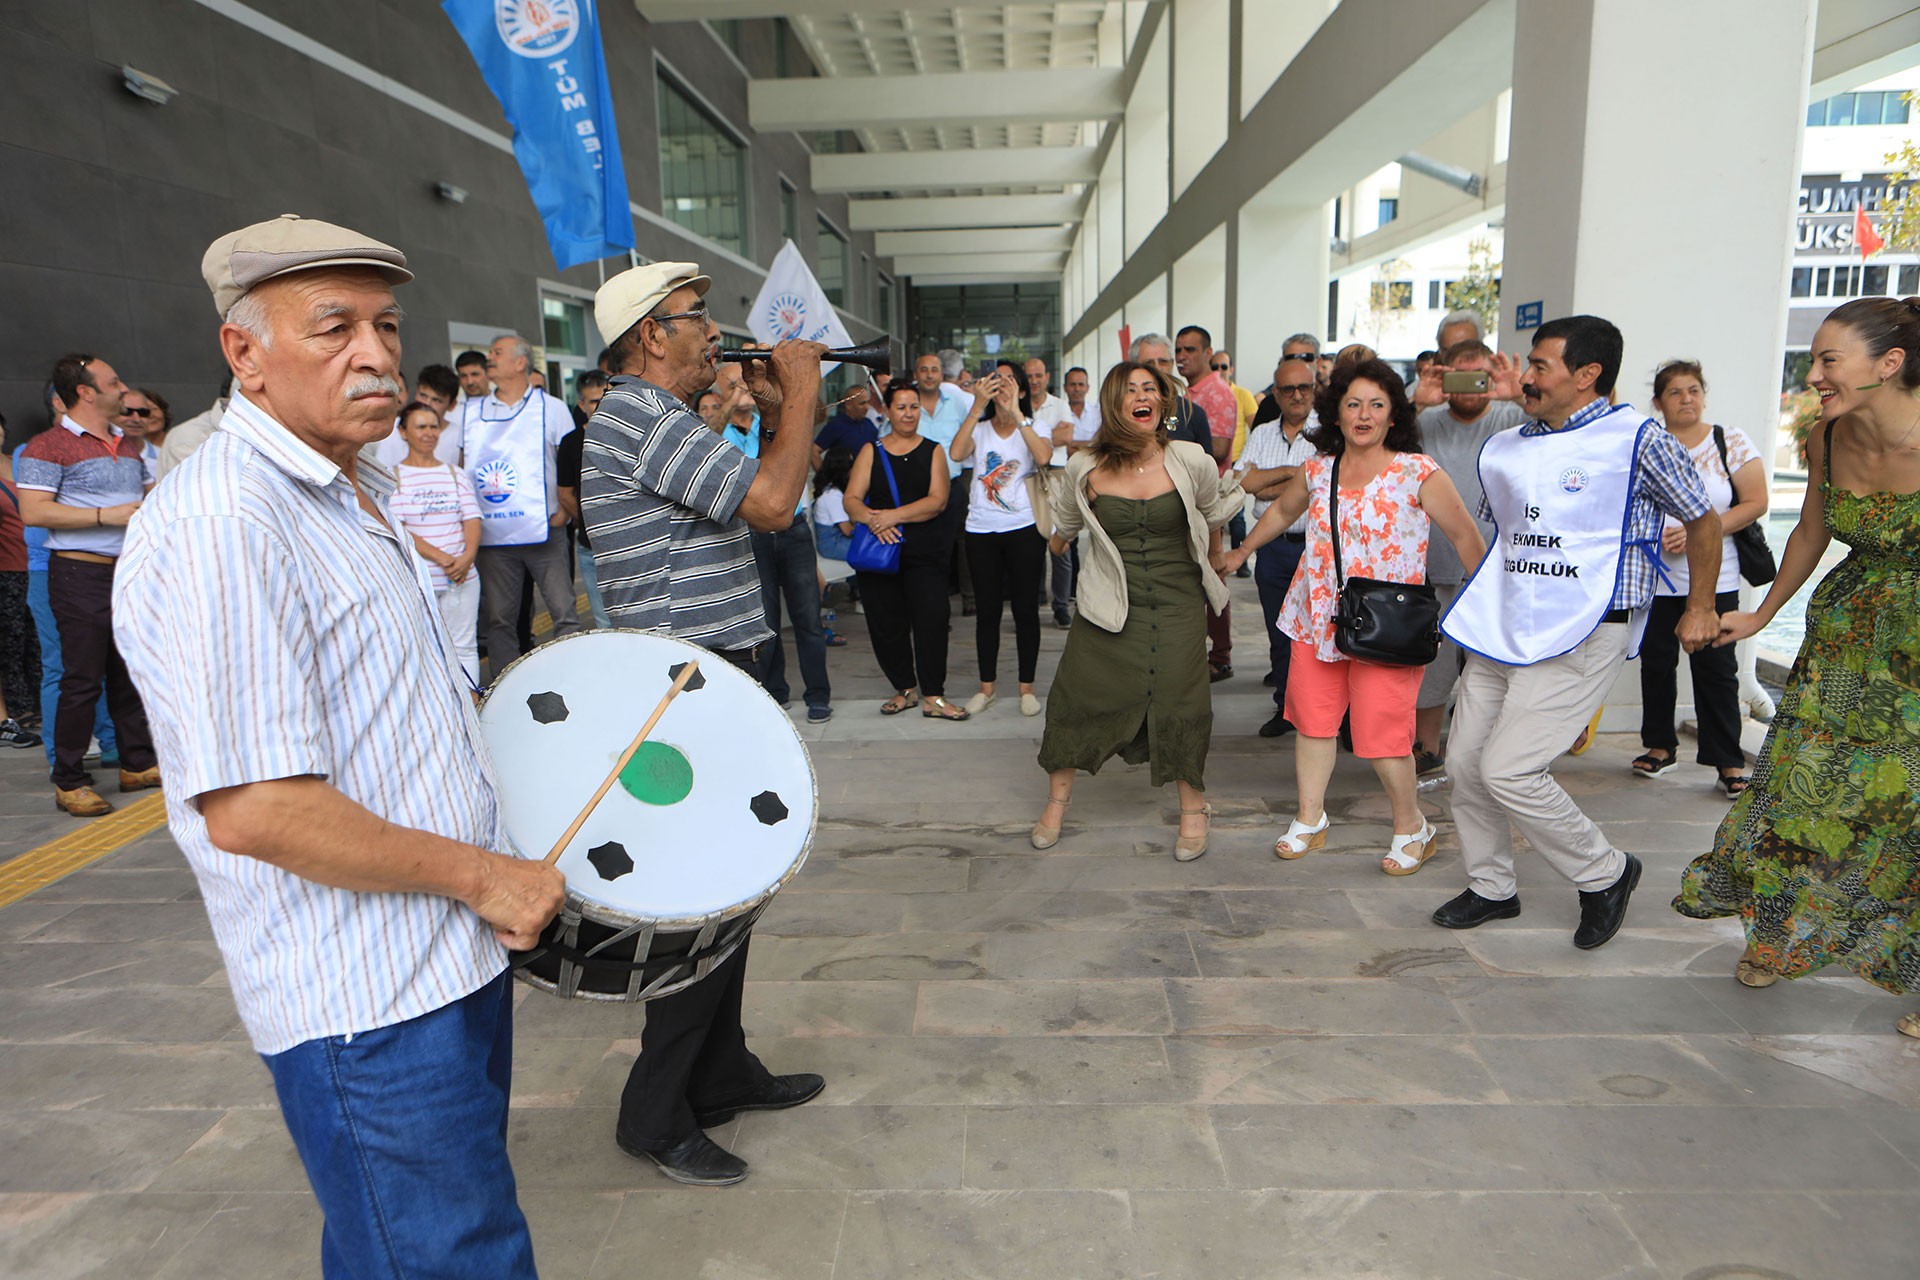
1395	623
1749	544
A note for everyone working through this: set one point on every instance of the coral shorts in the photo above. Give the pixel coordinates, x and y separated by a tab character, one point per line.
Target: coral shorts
1380	698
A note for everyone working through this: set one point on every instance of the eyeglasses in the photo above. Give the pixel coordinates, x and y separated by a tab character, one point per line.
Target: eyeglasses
138	413
1306	356
1222	368
1305	389
698	313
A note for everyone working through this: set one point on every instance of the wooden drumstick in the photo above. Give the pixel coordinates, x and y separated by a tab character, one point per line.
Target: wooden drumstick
687	673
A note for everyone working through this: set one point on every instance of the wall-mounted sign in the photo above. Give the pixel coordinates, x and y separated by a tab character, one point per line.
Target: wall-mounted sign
1529	315
1826	205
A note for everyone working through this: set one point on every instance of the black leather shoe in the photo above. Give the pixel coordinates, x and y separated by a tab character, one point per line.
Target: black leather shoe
698	1162
1222	672
1277	727
1603	911
779	1093
1470	909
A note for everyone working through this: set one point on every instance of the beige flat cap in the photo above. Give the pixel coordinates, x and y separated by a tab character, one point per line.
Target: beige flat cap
621	301
242	259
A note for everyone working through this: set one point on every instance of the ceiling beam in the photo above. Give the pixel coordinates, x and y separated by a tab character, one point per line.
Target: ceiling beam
882	171
976	98
897	244
991	265
922	213
719	10
988	277
1857	43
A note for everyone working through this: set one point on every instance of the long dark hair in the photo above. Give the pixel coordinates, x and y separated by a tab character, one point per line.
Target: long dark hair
1403	432
1883	324
1019	377
836	467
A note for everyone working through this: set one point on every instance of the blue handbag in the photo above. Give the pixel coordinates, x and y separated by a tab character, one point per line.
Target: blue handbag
867	553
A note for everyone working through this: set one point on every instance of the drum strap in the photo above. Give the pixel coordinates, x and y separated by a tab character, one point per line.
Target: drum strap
593	960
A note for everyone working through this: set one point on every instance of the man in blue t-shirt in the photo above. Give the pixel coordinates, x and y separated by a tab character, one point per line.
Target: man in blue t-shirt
851	427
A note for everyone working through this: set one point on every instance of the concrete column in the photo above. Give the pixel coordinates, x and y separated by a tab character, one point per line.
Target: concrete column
1279	271
1654	159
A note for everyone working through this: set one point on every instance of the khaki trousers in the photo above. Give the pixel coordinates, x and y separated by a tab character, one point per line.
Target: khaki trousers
1510	724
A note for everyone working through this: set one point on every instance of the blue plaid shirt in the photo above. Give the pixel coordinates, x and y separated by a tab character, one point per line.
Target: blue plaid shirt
1667	483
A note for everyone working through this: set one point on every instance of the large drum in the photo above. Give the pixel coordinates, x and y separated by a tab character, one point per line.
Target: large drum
713	813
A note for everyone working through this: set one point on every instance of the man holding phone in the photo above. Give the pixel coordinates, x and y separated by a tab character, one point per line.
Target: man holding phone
1452	433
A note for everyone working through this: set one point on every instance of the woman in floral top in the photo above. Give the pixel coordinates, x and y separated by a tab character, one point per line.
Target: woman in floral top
1389	493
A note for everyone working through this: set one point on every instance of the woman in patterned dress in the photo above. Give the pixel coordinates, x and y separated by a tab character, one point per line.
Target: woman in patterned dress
1390	495
1820	858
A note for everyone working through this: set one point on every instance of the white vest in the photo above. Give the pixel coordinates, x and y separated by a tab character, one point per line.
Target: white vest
506	458
1560	506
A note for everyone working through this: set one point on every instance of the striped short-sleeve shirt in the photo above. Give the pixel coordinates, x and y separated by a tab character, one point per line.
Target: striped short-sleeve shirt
659	493
276	630
81	470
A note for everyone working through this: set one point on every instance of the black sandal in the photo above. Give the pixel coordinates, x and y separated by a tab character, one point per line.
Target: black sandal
1734	784
1649	765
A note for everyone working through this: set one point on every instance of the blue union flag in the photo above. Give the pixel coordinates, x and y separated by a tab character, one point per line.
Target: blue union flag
543	60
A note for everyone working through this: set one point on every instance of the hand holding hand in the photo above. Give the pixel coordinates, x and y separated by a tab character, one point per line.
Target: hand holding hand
518	897
1737	626
1698	628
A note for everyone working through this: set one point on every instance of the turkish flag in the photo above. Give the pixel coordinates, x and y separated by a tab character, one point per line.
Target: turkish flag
1126	341
1864	235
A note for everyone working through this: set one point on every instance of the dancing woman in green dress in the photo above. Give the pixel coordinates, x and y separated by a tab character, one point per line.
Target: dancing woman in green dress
1820	858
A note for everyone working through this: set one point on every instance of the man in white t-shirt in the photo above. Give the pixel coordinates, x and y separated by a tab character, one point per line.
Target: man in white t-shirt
437	387
510	452
1272	457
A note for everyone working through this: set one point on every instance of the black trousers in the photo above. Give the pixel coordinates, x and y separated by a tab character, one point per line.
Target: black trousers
81	595
693	1058
907	618
1716	686
1007	569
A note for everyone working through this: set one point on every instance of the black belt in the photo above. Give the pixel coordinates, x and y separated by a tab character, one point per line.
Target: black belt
1617	615
1294	537
751	653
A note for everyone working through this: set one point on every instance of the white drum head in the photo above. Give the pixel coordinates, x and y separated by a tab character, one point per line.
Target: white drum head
713	813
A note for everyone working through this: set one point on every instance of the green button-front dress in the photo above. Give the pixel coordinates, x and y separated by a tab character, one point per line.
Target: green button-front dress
1141	694
1820	857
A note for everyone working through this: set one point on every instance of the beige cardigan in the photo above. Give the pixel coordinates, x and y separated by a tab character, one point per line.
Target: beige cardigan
1210	500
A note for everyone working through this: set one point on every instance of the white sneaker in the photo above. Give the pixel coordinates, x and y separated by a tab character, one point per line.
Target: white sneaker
1029	705
980	702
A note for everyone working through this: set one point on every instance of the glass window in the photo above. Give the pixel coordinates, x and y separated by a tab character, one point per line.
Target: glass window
789	211
728	29
1393	295
1840	109
884	318
1816	113
1802	282
1866	107
825	142
1897	109
1909	280
1433	295
1875	283
833	264
702	171
563	330
1822	282
1389	209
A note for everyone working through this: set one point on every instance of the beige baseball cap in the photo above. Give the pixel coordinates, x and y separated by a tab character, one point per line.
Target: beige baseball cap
239	260
634	292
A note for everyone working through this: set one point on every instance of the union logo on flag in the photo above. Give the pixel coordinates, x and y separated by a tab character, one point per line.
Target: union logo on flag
537	28
787	315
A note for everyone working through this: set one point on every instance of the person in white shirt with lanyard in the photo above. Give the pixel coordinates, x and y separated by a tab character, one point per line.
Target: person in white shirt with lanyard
1558	603
1272	457
509	440
364	916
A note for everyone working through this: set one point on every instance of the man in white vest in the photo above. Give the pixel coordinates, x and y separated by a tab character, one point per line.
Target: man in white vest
510	441
1560	601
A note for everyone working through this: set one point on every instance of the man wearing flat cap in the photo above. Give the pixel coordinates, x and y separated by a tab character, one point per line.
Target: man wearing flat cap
325	774
670	507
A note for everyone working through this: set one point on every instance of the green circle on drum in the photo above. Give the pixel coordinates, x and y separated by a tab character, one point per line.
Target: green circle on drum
658	774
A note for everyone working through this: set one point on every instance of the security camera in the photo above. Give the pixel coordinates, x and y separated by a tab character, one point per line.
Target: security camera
147	86
450	193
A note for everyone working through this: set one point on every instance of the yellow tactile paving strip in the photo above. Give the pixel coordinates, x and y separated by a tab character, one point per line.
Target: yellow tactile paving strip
83	846
87	844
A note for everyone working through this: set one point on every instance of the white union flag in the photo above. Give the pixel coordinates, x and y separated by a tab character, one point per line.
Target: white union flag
793	305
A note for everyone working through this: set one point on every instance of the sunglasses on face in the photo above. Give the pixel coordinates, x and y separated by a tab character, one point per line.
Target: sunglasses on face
1222	368
138	413
1306	356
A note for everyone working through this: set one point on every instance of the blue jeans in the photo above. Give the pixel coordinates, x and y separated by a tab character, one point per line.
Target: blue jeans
834	544
403	1132
789	571
51	670
590	580
1273	567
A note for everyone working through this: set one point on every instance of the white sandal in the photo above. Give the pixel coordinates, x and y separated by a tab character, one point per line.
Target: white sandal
1302	839
1409	853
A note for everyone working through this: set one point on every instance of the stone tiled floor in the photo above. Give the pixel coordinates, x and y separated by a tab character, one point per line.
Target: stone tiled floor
1092	1062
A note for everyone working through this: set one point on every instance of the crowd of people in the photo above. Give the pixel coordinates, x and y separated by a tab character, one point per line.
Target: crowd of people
336	551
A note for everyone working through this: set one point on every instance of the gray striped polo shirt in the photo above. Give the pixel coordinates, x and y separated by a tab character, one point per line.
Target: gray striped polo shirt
659	492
